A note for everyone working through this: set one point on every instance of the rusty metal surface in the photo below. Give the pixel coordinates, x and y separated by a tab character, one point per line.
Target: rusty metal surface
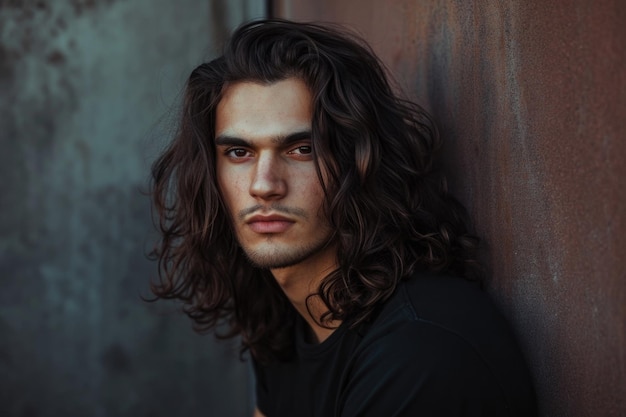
531	101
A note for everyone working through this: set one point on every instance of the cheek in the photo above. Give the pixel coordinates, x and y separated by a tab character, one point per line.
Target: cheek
230	192
312	195
226	190
226	174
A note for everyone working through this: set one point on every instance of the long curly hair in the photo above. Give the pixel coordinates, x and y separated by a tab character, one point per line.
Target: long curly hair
390	210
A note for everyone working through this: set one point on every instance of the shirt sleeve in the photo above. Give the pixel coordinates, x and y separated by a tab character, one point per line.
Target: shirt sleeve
421	369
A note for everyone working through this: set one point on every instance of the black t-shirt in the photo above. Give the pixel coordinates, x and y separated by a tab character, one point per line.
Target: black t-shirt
438	347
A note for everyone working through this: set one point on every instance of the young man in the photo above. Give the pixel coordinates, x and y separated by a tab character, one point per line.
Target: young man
298	207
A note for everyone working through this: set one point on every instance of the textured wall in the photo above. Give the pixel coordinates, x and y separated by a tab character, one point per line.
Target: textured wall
531	100
86	95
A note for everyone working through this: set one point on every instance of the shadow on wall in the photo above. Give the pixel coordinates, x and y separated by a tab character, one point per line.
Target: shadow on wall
534	102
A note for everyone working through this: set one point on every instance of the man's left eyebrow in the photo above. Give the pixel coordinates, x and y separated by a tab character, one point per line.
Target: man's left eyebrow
292	138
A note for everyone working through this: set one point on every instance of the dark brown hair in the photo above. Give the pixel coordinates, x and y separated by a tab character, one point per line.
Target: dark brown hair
391	213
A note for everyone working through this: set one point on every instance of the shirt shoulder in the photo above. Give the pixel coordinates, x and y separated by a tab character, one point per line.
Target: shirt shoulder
440	342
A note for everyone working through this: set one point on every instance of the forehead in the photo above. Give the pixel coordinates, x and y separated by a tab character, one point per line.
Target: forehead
251	109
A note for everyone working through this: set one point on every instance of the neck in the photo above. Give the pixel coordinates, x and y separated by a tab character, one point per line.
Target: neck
300	281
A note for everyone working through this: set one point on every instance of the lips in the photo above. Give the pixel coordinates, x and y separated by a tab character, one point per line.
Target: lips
269	224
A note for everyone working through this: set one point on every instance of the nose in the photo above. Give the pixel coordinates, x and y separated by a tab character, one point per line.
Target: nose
268	182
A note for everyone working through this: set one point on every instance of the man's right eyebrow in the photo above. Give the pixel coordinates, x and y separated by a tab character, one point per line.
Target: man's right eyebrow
225	140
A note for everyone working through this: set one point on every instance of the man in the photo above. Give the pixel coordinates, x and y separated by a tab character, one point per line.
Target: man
298	207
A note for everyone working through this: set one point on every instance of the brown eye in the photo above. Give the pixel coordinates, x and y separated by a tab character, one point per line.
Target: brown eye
302	150
305	150
237	153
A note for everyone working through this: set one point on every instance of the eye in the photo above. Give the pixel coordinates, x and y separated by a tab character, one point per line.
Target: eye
302	150
305	150
236	153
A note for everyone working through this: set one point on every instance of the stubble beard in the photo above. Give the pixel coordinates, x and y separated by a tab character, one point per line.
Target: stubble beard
278	256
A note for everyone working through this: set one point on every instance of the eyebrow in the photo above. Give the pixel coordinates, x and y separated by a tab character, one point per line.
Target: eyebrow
282	140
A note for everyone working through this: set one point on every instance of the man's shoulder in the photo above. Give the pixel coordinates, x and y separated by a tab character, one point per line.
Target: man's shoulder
440	334
447	309
445	301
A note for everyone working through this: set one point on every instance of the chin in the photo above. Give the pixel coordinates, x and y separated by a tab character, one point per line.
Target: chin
273	261
283	257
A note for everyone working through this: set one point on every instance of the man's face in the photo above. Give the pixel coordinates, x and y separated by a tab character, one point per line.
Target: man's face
266	172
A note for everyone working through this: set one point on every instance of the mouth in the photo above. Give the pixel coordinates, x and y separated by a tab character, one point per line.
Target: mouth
269	224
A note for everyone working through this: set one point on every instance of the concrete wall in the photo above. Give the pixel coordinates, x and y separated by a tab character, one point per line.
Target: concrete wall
531	100
87	97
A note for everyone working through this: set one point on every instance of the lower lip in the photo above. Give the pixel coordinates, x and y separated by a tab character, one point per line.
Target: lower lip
275	226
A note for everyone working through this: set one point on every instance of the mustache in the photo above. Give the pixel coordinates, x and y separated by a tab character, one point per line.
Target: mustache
277	208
